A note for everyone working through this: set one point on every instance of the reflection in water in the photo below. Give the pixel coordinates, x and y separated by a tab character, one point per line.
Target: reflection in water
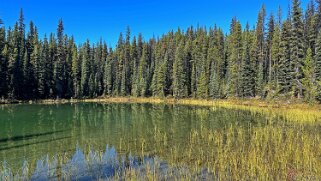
169	141
30	131
93	166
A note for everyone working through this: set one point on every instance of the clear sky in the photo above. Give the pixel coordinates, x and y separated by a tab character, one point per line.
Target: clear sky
95	19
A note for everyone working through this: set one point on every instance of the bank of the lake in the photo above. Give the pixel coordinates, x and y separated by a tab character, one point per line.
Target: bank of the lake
294	110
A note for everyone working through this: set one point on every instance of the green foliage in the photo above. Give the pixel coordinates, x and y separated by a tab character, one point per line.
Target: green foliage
318	67
268	61
308	80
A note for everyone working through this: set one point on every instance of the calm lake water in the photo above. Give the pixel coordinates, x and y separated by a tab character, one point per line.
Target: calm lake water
31	132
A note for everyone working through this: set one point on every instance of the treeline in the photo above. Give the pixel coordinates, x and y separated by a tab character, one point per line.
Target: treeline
275	59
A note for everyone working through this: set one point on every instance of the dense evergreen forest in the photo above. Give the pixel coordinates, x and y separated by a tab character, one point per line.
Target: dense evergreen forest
276	59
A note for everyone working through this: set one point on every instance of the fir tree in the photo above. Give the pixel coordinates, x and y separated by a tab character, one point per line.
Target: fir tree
179	79
297	54
247	83
76	73
308	80
3	63
59	65
285	66
318	67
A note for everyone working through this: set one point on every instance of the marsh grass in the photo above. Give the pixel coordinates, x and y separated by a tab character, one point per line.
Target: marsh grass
284	145
261	152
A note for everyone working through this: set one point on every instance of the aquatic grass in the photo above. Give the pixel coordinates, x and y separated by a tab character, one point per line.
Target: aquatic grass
253	144
294	112
269	152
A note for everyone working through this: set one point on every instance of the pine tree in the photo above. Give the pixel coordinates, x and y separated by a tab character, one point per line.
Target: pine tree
308	80
42	72
297	51
50	67
76	73
135	63
142	72
179	79
285	66
318	67
268	51
127	65
85	69
203	71
3	63
275	57
310	27
318	16
109	74
120	81
235	60
35	62
261	61
59	66
247	82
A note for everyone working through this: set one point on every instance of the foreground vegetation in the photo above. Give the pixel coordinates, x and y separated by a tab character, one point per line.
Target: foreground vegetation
277	59
262	152
223	141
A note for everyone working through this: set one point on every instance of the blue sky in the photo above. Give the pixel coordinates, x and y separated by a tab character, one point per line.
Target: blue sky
105	19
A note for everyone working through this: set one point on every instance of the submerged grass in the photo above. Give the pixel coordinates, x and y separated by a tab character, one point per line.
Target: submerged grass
266	152
286	146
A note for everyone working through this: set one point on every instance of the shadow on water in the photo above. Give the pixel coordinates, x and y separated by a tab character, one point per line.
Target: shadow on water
39	142
29	136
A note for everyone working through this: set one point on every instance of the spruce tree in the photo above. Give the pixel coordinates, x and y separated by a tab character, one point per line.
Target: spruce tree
285	67
308	80
109	74
247	83
235	60
85	69
297	51
318	67
42	72
142	72
261	60
179	79
268	52
3	64
59	66
275	57
76	72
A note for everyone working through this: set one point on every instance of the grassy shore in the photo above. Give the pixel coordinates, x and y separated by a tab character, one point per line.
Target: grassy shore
294	111
291	111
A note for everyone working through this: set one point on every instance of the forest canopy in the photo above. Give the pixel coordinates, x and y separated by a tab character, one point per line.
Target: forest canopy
277	59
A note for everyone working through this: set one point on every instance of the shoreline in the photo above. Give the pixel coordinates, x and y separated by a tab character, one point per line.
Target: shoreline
185	101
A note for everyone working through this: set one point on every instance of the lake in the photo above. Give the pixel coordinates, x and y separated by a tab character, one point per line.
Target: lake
185	142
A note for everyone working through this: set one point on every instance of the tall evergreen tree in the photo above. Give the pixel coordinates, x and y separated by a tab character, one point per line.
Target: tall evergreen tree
235	60
308	80
318	67
179	79
3	63
297	45
285	66
85	69
76	73
247	82
261	60
59	66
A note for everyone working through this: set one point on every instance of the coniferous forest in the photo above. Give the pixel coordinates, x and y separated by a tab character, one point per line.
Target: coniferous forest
278	58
